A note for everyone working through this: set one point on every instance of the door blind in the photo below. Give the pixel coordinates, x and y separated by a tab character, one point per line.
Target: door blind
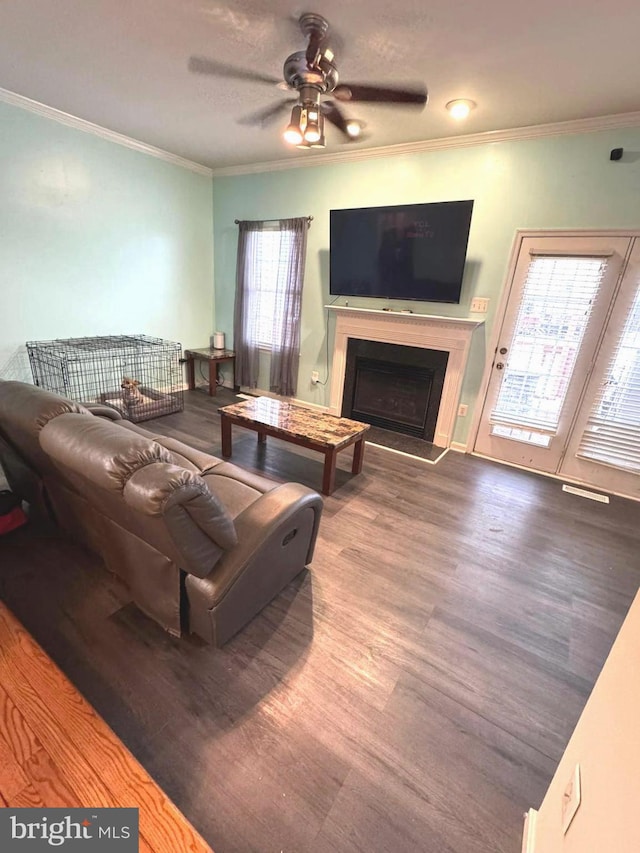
554	310
612	433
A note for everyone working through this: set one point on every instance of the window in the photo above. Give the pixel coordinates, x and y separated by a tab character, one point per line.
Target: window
270	271
270	253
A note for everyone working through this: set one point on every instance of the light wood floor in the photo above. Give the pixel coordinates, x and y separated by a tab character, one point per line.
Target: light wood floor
56	751
413	691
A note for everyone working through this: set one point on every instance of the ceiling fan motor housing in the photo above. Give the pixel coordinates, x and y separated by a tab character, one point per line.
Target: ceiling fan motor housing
296	73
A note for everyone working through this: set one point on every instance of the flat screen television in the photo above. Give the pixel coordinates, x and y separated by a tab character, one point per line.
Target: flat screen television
409	251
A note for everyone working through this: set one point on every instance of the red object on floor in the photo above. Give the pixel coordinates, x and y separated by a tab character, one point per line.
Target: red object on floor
11	514
12	520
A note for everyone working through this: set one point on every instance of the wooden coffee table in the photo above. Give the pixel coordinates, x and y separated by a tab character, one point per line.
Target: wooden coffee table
306	427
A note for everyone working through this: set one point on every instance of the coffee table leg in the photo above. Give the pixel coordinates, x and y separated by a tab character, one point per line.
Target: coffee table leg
225	431
262	437
358	456
329	473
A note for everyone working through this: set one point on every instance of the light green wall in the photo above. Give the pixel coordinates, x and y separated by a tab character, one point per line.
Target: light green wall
96	238
557	182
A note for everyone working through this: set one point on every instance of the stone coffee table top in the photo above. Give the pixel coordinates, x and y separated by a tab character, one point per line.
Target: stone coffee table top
295	420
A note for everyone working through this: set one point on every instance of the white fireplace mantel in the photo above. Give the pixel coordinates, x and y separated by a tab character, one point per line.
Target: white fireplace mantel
447	334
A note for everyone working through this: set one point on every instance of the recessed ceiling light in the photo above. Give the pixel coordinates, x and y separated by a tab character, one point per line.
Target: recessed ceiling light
460	108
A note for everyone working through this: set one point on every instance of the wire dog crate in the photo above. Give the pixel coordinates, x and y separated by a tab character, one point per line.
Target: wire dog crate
138	375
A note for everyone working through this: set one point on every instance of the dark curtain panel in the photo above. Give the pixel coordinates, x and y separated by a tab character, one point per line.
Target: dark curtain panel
285	354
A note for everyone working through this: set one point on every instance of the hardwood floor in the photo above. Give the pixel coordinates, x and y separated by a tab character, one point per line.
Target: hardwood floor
413	691
56	751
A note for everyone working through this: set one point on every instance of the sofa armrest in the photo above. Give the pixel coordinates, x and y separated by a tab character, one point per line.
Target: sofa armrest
266	529
197	522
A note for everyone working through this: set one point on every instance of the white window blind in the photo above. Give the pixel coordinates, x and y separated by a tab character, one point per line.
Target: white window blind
270	253
612	433
552	316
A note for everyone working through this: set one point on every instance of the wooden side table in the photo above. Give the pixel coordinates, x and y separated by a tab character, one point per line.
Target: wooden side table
213	357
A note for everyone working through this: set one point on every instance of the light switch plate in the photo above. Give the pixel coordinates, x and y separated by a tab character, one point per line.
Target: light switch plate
571	798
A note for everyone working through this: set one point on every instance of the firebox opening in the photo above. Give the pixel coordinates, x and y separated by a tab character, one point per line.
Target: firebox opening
394	387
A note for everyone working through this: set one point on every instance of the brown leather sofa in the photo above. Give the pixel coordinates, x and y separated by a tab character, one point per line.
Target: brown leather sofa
201	544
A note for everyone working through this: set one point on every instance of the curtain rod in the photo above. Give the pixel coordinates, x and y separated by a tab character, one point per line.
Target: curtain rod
309	218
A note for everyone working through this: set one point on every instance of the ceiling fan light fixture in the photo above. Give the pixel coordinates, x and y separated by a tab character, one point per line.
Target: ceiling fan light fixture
321	143
313	130
460	108
353	128
293	133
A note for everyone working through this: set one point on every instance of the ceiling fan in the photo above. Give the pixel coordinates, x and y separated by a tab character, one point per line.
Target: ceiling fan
313	75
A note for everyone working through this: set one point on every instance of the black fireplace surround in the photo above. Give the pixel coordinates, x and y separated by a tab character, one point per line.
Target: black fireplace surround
395	387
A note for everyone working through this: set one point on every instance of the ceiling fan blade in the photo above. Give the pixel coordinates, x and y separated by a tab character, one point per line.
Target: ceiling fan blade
202	65
268	114
337	119
416	94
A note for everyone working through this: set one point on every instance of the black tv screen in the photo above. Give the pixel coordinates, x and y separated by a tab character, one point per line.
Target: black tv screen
411	251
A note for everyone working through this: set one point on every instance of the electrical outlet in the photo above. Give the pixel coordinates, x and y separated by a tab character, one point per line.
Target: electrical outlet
462	410
315	376
571	797
479	305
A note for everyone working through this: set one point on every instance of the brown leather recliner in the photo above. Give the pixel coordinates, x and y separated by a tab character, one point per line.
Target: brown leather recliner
201	544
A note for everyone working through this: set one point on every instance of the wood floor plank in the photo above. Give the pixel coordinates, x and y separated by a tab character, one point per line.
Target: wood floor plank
12	776
27	798
15	731
49	781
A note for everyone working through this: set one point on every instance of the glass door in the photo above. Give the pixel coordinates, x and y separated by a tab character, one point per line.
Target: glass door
559	299
604	446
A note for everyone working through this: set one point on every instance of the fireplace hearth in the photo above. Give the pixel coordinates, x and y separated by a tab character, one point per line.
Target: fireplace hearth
395	387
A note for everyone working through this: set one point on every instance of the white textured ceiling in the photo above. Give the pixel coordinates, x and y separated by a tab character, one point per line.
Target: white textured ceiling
122	64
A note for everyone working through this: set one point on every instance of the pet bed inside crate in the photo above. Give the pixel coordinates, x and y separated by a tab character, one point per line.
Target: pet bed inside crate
150	404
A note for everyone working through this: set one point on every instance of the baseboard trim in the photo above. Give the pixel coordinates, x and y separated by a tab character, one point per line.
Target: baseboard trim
529	831
458	446
558	477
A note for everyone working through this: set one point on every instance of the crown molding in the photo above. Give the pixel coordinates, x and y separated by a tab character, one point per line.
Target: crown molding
536	131
52	113
515	134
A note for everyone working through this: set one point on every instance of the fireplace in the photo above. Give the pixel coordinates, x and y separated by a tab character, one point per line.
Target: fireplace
449	335
394	387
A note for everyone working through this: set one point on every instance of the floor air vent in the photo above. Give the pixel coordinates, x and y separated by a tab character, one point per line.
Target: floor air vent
583	493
